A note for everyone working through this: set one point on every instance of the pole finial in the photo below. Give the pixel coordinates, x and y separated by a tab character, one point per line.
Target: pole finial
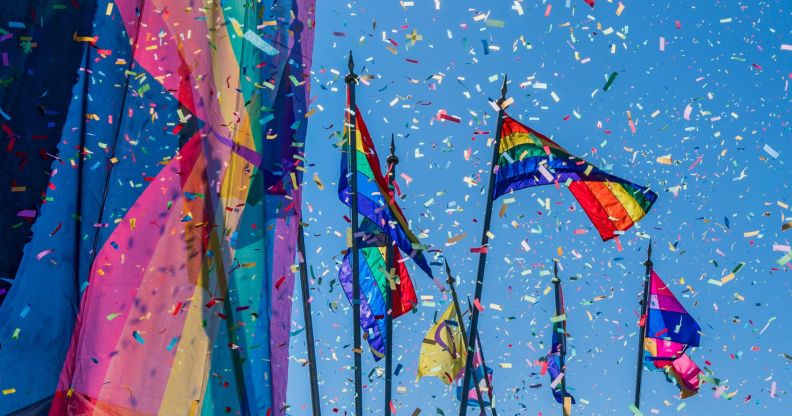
350	77
450	279
392	158
503	89
648	262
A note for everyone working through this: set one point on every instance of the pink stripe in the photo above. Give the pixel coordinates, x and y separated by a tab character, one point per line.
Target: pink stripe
666	303
687	372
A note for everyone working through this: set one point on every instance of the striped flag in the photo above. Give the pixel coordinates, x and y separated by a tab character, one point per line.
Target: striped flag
670	331
374	200
527	158
373	286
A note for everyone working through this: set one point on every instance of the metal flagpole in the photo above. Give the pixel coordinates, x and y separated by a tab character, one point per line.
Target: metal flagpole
357	349
309	334
559	310
644	307
470	352
390	258
484	240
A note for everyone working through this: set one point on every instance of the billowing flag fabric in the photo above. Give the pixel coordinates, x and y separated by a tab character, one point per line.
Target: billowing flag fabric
478	374
670	331
443	351
553	358
166	238
373	286
527	158
374	199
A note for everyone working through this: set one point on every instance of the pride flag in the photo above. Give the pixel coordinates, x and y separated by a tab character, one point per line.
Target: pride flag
373	286
374	199
527	158
670	331
443	351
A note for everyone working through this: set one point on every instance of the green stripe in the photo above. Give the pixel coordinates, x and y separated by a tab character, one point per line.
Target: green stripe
363	166
636	194
378	268
529	150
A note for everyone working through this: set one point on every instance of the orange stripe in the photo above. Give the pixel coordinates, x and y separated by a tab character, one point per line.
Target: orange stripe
611	204
593	209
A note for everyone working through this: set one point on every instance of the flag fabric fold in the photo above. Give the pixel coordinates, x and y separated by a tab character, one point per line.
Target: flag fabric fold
527	158
443	352
670	331
375	202
373	285
553	359
479	369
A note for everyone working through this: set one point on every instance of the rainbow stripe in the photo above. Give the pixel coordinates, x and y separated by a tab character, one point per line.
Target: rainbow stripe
373	286
184	292
375	202
527	158
670	331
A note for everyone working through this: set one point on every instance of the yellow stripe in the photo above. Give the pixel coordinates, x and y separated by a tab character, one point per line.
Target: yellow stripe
516	139
630	204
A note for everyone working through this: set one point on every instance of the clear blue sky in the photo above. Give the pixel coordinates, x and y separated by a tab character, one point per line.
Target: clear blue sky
721	174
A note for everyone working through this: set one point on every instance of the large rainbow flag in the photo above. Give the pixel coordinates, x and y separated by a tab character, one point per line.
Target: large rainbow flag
670	330
374	282
166	238
375	202
527	158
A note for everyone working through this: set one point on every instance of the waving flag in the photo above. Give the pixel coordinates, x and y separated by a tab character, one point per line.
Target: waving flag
527	158
557	355
373	286
169	226
478	374
670	331
374	200
443	349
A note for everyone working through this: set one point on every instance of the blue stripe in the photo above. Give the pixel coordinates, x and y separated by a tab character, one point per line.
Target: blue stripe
688	328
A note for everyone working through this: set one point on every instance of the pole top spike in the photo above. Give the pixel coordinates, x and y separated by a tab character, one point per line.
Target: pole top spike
392	158
503	87
351	63
648	262
450	279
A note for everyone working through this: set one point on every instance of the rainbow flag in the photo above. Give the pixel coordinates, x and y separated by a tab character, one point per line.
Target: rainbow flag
373	286
527	158
670	331
375	202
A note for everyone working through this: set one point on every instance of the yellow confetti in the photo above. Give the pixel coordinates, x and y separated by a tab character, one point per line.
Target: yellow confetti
318	181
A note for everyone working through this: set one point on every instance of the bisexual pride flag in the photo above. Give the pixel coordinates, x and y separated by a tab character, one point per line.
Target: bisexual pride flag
670	331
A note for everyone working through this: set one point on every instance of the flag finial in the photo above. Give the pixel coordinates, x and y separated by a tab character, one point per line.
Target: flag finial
450	279
392	158
351	65
648	262
503	89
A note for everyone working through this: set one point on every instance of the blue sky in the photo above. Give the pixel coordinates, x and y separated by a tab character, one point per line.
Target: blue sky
711	110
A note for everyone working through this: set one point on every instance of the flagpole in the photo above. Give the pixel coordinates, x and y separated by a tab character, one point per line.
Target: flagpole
392	161
484	363
309	334
644	305
559	310
484	240
357	349
461	322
